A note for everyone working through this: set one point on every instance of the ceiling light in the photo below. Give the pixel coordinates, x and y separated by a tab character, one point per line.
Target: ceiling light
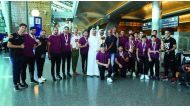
35	12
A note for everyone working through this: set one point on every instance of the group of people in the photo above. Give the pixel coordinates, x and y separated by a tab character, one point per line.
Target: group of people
118	54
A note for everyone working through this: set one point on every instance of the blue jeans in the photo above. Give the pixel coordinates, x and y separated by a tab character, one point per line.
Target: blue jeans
17	64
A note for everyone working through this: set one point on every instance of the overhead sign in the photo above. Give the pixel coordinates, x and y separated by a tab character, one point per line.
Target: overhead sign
38	25
164	23
147	26
169	22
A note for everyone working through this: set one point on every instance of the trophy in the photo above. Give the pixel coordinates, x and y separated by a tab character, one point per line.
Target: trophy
162	44
102	38
76	40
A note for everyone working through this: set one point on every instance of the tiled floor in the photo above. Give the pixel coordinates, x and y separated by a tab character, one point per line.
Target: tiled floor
89	91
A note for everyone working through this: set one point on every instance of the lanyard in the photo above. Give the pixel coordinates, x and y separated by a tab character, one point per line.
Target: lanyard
66	39
154	47
144	46
85	38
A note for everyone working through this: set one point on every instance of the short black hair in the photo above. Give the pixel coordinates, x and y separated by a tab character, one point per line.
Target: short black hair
66	27
144	36
85	31
168	30
155	31
31	28
131	35
153	36
55	27
135	32
103	45
22	24
120	46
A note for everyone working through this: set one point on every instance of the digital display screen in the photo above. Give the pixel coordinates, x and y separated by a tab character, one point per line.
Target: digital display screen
169	22
147	26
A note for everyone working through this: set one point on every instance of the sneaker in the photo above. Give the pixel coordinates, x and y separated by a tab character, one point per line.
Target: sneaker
109	80
142	77
165	78
134	75
64	76
43	79
40	81
54	79
16	88
69	75
22	86
146	77
151	77
84	74
25	84
173	80
34	81
128	73
157	78
59	77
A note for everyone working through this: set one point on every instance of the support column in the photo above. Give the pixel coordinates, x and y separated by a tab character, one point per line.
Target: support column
7	15
156	16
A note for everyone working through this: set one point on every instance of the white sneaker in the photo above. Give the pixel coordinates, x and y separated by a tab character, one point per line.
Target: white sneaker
146	77
128	73
40	80
44	79
109	80
134	75
142	77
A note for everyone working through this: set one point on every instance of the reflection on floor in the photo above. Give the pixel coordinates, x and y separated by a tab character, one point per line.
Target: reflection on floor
89	91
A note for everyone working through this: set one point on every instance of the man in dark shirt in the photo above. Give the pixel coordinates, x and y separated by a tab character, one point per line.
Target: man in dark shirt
169	56
66	51
83	45
30	42
40	55
16	45
154	54
158	41
54	53
111	42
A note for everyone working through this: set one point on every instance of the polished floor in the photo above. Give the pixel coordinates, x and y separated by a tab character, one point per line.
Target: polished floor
89	91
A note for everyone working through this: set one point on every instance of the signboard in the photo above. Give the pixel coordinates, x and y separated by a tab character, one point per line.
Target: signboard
147	26
169	22
38	25
164	23
133	24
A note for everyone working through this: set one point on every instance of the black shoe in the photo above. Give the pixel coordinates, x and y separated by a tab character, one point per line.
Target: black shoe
69	75
23	85
64	76
102	79
84	74
158	78
16	88
34	81
54	79
59	77
151	77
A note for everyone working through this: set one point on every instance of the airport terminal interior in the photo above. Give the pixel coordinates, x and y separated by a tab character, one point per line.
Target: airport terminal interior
81	89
